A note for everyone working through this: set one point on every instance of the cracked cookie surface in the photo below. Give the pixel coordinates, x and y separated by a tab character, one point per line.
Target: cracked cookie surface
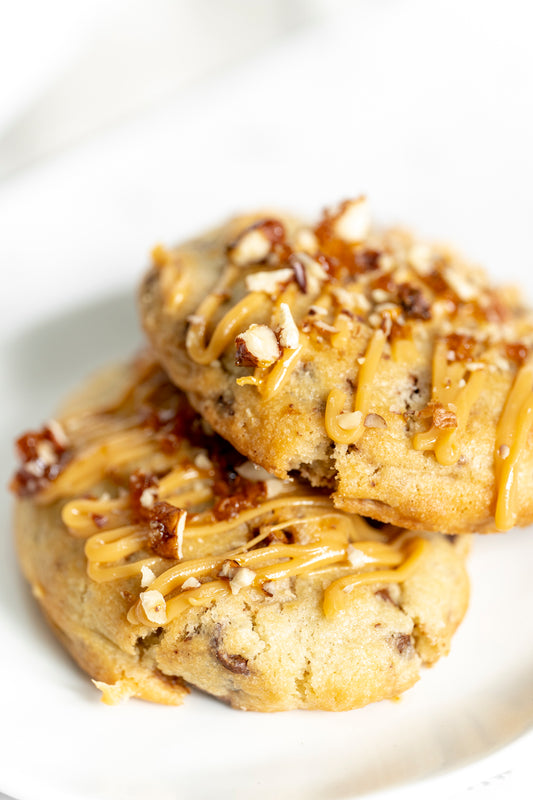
372	363
164	560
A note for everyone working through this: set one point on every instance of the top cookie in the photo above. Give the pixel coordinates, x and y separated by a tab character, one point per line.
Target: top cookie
367	360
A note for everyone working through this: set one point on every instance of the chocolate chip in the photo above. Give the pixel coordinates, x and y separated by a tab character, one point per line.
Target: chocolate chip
403	643
230	661
385	595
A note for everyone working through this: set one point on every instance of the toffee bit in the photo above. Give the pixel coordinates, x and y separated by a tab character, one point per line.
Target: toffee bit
444	294
517	352
236	496
461	347
143	488
338	232
44	455
494	309
171	424
366	260
413	302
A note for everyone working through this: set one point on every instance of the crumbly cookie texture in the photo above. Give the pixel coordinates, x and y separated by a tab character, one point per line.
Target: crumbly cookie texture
366	360
254	651
173	562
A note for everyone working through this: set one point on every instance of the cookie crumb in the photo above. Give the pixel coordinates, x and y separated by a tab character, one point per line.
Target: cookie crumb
504	451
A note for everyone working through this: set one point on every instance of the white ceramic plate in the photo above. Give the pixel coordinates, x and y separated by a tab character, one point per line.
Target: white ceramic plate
478	699
73	240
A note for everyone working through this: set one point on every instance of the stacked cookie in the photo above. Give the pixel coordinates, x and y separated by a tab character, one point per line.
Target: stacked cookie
263	504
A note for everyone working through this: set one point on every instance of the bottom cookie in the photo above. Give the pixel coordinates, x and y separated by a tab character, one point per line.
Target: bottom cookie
162	559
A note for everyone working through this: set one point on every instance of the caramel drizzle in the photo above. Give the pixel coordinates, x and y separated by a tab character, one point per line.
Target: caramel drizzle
111	546
117	543
337	398
453	386
511	438
448	391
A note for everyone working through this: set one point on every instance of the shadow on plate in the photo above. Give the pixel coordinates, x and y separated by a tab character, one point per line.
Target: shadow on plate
42	365
50	358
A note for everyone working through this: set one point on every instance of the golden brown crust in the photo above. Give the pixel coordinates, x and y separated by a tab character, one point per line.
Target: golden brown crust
340	294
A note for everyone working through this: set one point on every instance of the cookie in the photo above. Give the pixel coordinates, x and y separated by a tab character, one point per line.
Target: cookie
384	368
163	559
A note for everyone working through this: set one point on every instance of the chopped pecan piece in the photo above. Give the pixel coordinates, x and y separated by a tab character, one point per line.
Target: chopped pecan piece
167	524
269	281
443	417
257	346
287	330
255	243
351	223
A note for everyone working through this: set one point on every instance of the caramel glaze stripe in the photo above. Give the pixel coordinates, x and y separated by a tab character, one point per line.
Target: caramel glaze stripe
79	515
227	329
337	398
335	594
111	545
296	560
446	389
269	380
511	438
92	464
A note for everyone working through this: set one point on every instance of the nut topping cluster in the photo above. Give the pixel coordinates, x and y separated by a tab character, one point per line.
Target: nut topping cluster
381	279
